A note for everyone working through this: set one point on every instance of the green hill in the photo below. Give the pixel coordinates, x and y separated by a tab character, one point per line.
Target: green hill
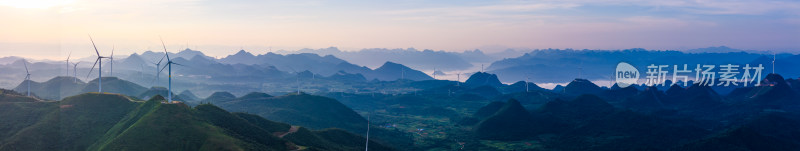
94	121
71	124
115	85
12	96
315	112
511	122
53	89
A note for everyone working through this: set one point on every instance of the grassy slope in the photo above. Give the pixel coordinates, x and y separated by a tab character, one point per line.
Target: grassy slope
95	121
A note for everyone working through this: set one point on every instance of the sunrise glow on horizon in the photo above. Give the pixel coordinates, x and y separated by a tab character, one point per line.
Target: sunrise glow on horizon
50	29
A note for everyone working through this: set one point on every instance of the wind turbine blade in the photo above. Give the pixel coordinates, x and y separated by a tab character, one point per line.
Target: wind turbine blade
165	48
95	47
162	69
90	70
26	66
70	55
178	64
159	61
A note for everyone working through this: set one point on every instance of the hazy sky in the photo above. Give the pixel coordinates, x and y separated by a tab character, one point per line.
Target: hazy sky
52	28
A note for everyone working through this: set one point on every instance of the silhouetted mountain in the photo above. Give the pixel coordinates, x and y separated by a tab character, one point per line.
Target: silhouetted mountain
481	79
580	109
765	132
521	87
311	111
719	49
511	122
188	96
627	130
93	121
412	57
489	109
219	97
554	65
391	71
189	54
484	91
347	77
582	86
255	95
694	97
476	56
9	59
649	100
617	93
241	57
675	90
773	88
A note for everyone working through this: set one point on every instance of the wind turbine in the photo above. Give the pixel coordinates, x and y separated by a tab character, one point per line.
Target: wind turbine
112	60
27	76
75	71
70	54
100	68
458	80
434	73
169	71
526	83
158	64
773	62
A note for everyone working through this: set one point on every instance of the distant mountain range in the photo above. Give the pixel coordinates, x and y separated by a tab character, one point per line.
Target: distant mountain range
558	66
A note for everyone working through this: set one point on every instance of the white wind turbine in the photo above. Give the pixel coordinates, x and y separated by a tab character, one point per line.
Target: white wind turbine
70	54
75	71
526	83
112	61
773	62
434	73
100	67
158	64
458	79
27	76
169	71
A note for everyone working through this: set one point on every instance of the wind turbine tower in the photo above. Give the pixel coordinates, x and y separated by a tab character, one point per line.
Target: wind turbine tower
774	54
70	55
458	79
526	83
27	76
112	60
100	67
75	71
169	71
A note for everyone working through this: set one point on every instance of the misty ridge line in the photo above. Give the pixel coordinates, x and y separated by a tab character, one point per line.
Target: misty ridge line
515	65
